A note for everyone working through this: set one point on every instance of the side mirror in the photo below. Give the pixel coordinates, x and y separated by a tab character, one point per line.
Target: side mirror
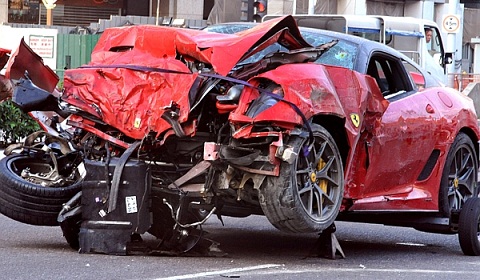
448	59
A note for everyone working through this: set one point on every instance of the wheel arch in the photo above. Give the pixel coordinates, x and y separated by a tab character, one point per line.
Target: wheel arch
473	136
451	194
335	125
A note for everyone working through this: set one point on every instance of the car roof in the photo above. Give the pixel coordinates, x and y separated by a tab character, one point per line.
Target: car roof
361	42
365	46
240	26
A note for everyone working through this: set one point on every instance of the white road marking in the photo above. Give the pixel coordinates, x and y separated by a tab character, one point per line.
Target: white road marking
365	270
219	272
411	244
319	270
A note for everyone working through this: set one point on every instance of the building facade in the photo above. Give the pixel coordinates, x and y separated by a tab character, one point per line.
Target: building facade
83	12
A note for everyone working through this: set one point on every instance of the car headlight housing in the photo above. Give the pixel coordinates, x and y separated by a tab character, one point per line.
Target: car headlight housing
269	97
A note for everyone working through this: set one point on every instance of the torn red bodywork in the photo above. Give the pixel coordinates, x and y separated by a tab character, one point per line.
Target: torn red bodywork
23	60
134	100
6	88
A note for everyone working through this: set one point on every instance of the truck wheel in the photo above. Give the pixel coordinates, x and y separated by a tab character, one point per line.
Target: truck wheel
459	177
27	200
469	227
307	195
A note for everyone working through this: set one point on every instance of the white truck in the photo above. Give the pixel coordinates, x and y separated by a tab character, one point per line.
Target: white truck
406	34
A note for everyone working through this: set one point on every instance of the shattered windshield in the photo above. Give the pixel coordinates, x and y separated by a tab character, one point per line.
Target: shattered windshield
228	28
343	54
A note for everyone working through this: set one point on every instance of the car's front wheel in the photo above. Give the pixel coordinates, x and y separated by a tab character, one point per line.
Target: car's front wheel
307	195
25	193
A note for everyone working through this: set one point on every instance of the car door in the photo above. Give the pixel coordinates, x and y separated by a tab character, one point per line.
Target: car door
399	145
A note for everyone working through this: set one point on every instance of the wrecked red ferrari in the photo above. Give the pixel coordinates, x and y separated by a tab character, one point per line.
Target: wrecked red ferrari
166	127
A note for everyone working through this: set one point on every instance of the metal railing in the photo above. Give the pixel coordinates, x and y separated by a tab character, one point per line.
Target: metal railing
461	80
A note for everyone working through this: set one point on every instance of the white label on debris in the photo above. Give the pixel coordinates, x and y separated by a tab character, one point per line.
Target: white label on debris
131	204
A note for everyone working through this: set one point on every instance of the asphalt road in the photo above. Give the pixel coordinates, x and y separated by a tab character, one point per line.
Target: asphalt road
255	251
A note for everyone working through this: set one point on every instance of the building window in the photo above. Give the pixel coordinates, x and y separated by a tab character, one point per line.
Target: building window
23	11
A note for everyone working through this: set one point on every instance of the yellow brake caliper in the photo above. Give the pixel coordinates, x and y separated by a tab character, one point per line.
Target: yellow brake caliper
322	184
455	182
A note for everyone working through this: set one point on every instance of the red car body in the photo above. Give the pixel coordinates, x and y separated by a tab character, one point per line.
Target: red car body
403	133
396	151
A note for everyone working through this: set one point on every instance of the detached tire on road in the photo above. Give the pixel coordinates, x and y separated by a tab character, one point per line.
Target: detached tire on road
28	202
469	227
307	195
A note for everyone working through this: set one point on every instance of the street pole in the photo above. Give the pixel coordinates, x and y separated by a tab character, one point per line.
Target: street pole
450	45
49	17
158	12
49	5
311	7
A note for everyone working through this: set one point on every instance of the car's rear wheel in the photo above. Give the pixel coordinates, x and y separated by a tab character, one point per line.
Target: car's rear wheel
307	195
459	177
469	227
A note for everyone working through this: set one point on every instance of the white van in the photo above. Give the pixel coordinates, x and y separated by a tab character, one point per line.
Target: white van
405	34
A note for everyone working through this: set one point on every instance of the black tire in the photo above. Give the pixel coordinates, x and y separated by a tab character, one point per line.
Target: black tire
70	220
316	177
71	231
28	202
459	176
469	227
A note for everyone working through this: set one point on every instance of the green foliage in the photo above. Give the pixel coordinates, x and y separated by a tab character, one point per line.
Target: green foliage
14	124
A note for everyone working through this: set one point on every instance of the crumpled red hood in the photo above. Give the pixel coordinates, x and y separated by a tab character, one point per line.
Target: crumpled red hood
133	101
222	51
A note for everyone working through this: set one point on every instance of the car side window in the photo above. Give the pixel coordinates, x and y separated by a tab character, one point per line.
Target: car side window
390	76
375	70
415	75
